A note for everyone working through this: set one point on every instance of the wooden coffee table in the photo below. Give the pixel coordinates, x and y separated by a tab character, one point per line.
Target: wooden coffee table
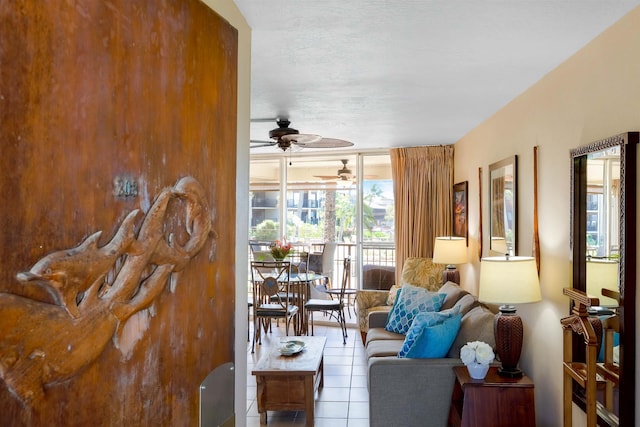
289	383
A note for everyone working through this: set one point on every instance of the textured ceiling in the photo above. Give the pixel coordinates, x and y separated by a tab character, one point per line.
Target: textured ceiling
403	73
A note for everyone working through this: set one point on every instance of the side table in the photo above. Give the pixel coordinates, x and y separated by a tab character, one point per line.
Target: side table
493	402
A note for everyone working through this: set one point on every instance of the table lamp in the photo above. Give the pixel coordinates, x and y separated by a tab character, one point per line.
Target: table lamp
450	250
602	275
509	280
499	245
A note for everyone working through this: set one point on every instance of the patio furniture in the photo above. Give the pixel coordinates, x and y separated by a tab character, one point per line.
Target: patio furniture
271	287
346	293
322	262
335	308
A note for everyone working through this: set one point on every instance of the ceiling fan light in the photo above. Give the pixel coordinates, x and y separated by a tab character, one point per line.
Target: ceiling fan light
344	172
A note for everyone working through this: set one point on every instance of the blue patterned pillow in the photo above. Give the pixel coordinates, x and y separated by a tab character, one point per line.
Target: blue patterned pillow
431	334
410	301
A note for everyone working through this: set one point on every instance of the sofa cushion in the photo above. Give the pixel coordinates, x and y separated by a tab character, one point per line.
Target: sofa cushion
453	294
393	293
376	334
466	303
476	325
422	272
431	334
384	348
411	300
378	316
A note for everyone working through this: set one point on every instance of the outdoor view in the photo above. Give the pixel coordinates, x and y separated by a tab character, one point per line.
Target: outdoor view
318	204
321	203
313	214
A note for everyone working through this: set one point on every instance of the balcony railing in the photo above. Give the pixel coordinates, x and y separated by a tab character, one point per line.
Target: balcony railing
373	253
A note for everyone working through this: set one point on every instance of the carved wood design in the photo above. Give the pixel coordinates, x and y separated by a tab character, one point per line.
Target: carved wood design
103	105
584	373
97	289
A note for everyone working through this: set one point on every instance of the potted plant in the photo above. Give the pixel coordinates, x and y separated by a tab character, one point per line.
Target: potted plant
477	356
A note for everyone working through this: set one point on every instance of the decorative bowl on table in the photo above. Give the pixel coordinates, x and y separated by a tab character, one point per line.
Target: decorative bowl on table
289	348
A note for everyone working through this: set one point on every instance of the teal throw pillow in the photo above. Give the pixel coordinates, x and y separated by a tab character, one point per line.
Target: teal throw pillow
410	301
431	335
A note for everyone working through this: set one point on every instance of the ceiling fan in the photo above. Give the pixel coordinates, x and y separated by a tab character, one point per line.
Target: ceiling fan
344	174
286	138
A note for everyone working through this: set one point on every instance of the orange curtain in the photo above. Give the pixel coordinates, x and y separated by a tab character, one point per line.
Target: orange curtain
498	228
422	184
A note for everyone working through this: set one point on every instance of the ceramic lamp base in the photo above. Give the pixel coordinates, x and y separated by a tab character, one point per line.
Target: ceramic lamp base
450	274
508	331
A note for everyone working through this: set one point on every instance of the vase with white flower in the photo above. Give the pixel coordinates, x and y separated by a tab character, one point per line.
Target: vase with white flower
477	355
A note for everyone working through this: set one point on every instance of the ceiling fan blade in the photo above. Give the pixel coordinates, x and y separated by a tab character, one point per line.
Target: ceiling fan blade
302	139
330	177
257	143
264	120
330	143
289	139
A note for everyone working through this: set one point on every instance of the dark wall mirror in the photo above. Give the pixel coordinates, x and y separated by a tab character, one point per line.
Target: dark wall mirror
503	219
604	251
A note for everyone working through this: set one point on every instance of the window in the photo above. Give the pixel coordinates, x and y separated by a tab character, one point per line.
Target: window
322	203
264	196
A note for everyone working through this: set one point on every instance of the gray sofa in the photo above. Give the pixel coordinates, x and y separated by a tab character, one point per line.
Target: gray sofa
417	392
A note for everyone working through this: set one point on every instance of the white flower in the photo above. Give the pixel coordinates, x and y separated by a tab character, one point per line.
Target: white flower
467	354
476	351
484	354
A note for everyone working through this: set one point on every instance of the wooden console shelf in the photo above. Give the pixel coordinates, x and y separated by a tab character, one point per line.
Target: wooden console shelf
493	402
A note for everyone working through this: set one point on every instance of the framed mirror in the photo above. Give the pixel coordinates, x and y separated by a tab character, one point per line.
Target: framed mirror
503	202
603	240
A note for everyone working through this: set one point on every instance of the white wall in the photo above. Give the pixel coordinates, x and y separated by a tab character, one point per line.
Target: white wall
593	95
229	11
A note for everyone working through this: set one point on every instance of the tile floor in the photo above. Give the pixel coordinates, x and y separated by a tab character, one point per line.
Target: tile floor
344	400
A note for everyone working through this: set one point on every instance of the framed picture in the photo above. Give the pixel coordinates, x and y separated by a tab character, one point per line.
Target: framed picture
460	205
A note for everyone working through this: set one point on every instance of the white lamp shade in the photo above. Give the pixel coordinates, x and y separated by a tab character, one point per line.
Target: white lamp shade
509	280
450	250
499	244
602	274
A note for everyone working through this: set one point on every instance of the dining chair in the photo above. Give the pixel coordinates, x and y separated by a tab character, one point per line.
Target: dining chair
261	251
334	307
271	286
299	260
346	293
322	263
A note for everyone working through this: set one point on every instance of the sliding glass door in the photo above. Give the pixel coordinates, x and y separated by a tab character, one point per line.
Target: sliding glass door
313	199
